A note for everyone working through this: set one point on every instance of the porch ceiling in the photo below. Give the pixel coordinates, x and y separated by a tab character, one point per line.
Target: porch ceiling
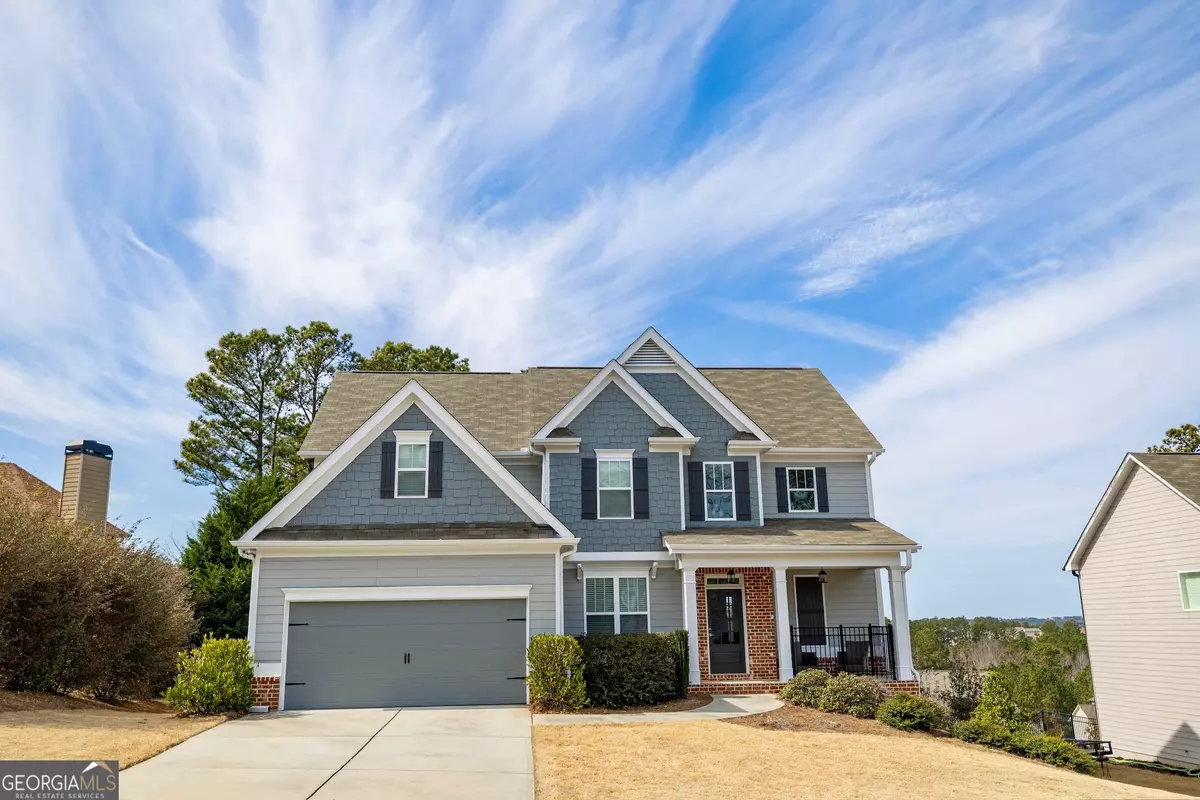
788	534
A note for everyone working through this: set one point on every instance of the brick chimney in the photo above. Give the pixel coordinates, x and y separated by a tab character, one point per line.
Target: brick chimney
87	467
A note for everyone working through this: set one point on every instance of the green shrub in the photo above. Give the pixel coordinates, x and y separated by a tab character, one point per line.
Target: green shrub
1041	747
910	712
997	706
556	673
856	695
630	669
966	687
805	688
213	678
682	661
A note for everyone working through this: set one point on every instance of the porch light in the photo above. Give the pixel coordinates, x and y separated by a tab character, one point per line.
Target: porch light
822	577
731	575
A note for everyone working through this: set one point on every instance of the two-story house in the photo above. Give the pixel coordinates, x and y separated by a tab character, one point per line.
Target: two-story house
448	517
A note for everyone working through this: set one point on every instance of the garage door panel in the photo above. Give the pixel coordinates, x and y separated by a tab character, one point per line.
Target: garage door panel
345	655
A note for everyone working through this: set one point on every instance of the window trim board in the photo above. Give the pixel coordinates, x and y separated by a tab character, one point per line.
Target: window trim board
787	489
732	490
615	576
1182	596
411	438
620	456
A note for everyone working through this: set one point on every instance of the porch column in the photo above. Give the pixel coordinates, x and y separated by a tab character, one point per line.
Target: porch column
693	624
783	631
903	645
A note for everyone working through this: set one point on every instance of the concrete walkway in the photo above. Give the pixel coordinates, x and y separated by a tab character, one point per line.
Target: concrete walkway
722	707
348	755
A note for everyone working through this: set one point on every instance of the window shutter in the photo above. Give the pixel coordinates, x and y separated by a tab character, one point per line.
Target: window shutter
695	473
810	611
387	470
587	497
641	488
781	490
822	491
435	469
741	489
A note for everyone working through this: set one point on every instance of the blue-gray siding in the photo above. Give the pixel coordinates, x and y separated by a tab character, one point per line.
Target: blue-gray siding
276	574
713	430
666	598
468	495
613	421
847	481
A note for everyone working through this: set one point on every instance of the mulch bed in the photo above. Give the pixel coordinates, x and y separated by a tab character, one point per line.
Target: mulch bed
797	718
688	703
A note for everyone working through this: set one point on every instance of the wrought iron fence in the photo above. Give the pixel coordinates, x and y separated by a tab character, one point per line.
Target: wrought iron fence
1066	725
860	649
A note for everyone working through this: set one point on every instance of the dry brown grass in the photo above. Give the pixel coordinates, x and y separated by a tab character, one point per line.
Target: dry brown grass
46	726
715	759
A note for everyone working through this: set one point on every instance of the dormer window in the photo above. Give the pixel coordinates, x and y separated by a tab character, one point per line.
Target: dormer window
614	484
802	490
412	464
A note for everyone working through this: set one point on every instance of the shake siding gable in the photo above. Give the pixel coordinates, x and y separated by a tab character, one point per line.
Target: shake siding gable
1144	648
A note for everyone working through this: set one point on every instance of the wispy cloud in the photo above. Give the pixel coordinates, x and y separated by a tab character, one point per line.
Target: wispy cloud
831	327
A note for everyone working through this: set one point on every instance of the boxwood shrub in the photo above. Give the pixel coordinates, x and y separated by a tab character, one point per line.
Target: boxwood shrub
213	678
805	688
910	712
556	673
856	695
1042	747
630	669
680	640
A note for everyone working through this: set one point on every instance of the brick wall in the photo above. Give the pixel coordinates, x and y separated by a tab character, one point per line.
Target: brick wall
266	692
758	593
906	687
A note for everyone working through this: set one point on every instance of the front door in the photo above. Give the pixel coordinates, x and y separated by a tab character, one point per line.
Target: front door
726	632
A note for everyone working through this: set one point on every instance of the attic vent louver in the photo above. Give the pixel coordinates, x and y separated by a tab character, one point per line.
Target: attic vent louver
649	354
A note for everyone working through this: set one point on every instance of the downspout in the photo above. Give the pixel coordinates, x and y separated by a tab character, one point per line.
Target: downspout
682	496
251	622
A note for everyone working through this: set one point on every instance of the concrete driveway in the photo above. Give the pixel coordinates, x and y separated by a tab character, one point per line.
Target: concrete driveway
347	755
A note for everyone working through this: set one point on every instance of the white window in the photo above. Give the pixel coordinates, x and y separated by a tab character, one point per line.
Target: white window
412	463
802	489
1189	588
614	485
718	490
617	604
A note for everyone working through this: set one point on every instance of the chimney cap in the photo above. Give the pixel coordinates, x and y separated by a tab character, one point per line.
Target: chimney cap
90	447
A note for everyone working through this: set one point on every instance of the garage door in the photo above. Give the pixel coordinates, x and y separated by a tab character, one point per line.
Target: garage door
410	653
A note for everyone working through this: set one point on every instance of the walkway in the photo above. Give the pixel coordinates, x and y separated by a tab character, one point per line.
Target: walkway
722	707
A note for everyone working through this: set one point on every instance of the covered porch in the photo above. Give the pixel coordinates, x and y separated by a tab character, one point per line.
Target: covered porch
760	605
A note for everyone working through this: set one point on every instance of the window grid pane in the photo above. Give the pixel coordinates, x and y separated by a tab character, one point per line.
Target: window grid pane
720	505
615	503
1189	586
599	595
802	500
410	456
635	623
718	476
601	623
410	483
633	597
801	479
615	475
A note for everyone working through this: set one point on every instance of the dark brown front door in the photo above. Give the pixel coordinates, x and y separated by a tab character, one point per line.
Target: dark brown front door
726	632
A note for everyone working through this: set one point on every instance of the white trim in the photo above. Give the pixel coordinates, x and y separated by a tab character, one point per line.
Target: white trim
691	622
615	574
313	453
558	594
387	594
412	393
612	373
1122	476
783	631
620	457
696	380
817	560
758	478
763	556
557	444
359	594
546	478
787	488
252	622
879	596
432	547
630	555
744	447
268	669
411	438
682	496
870	489
1179	579
732	493
781	453
741	587
672	444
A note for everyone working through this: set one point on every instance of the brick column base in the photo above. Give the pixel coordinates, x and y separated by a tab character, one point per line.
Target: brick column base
904	687
266	692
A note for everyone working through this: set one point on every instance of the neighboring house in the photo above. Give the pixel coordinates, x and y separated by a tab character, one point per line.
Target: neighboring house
87	470
1029	633
1138	565
448	517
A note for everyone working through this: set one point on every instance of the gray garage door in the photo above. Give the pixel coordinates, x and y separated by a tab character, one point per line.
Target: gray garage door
413	653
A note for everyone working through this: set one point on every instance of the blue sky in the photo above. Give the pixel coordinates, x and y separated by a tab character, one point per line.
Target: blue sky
978	219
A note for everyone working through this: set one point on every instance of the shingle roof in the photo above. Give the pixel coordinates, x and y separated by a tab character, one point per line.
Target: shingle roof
796	407
1180	470
26	487
787	533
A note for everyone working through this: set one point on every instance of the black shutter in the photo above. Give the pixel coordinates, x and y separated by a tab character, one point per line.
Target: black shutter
741	489
641	489
695	473
387	470
435	469
810	611
822	491
781	490
587	497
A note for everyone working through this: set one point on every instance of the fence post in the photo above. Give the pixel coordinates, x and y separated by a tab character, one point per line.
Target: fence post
871	649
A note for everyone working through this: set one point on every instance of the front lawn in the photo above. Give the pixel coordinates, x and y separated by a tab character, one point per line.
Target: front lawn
719	759
41	726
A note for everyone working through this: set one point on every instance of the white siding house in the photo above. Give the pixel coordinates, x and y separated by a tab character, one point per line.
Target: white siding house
1138	565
